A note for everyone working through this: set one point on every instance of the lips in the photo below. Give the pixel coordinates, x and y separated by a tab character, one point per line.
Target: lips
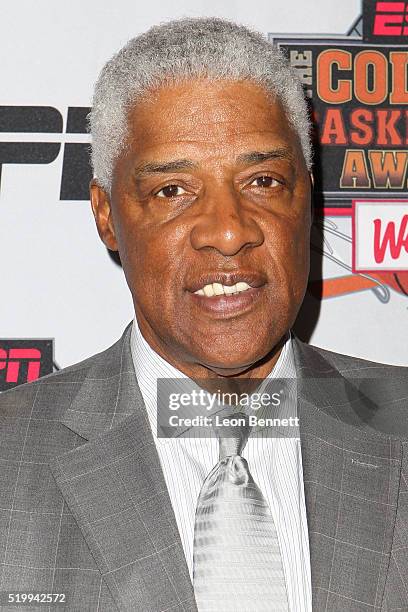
224	295
219	289
227	279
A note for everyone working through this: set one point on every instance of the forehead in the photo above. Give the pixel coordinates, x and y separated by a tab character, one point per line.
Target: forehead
208	117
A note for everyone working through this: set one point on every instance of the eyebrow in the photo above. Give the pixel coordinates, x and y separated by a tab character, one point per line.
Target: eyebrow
162	167
255	157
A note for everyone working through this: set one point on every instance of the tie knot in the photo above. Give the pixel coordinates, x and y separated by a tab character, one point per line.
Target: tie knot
232	433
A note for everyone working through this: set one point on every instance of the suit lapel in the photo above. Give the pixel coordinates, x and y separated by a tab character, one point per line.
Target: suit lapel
351	479
116	490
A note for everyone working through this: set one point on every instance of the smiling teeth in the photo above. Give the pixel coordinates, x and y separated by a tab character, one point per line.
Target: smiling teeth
219	289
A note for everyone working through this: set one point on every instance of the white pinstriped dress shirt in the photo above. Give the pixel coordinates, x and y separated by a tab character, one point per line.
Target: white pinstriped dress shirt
275	464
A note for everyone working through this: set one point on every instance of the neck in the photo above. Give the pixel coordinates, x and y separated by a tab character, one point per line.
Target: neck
232	379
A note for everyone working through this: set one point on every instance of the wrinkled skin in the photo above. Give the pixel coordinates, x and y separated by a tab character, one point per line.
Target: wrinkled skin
212	211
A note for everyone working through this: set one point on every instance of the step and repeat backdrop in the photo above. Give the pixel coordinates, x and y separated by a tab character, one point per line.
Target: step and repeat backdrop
64	298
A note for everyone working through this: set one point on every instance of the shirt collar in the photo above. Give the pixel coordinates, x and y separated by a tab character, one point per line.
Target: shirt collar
149	366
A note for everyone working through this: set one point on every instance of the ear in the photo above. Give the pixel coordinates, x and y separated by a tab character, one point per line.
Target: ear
102	211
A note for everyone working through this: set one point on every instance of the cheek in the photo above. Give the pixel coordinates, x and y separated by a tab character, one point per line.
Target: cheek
298	263
301	250
153	267
288	267
289	245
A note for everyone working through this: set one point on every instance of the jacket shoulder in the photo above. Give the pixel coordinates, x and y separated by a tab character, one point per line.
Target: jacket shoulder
356	367
58	388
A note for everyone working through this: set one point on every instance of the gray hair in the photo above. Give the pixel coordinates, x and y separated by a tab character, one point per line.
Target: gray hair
178	51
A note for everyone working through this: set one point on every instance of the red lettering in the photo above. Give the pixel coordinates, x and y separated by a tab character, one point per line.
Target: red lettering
3	355
12	365
384	25
389	25
389	239
390	7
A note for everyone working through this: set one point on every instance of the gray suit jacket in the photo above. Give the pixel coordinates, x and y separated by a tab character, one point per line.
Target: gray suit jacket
84	508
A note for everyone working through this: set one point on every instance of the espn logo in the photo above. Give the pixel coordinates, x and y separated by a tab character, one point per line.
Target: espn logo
391	19
384	21
380	235
24	361
36	135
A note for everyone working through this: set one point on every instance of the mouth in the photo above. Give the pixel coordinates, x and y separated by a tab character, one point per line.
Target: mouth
227	294
215	289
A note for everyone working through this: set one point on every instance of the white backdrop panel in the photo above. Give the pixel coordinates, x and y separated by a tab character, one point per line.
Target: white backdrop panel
57	279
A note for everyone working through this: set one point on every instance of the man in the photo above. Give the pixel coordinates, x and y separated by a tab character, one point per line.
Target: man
202	166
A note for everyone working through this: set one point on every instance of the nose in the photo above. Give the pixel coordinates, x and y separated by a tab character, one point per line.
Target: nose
223	224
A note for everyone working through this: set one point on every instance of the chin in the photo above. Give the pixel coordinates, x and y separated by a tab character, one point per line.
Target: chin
223	360
230	365
228	372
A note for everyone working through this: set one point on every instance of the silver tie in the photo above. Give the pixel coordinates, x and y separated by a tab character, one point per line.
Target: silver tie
237	565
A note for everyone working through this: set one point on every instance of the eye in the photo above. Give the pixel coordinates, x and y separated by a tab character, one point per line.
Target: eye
170	191
265	181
